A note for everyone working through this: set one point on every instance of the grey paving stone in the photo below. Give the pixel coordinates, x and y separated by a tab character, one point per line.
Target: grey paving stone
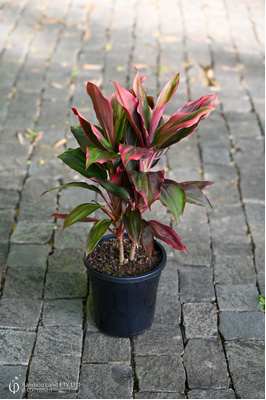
102	381
54	372
8	199
20	313
167	310
159	340
67	260
59	340
24	283
209	371
169	281
196	284
63	312
101	348
237	297
7	220
13	376
247	368
11	181
32	232
198	253
160	374
242	325
16	346
73	238
158	395
200	320
31	255
211	394
65	285
234	270
90	319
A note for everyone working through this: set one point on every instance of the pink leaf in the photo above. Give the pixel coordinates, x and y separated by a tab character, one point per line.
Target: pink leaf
103	110
166	234
92	133
129	104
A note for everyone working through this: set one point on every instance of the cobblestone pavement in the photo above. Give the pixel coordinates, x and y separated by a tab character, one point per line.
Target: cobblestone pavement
207	340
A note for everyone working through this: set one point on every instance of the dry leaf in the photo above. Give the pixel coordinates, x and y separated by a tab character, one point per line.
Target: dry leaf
57	85
59	143
92	67
20	138
108	46
140	66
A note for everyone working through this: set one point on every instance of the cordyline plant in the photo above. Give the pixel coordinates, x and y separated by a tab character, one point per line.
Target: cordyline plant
119	155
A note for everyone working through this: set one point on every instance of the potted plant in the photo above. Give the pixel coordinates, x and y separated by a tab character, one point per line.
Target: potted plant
118	158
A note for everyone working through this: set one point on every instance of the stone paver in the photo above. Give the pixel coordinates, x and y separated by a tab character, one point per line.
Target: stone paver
208	328
105	381
247	358
210	370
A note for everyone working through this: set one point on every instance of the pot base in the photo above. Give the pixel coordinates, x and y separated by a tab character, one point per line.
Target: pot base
124	306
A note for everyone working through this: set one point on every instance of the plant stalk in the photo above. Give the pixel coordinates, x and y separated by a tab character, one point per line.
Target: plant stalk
121	252
132	251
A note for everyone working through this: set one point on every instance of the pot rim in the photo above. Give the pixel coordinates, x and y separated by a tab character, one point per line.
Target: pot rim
126	279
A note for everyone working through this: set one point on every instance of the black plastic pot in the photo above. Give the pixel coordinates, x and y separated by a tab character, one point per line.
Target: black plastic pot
124	306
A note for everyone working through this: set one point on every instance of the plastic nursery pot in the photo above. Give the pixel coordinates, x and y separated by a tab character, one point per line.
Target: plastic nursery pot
124	306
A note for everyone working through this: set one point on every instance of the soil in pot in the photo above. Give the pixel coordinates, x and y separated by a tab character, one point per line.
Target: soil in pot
105	258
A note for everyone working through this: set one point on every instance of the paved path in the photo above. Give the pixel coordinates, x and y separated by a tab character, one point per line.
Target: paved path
207	340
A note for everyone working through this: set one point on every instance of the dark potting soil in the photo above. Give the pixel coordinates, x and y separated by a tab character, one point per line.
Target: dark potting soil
105	258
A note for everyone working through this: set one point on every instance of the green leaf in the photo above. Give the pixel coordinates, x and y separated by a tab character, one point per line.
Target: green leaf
195	196
96	233
75	184
76	160
79	212
113	188
132	222
94	155
173	197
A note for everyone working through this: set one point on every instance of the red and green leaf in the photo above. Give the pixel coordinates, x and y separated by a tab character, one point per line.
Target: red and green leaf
79	212
129	104
148	185
147	238
167	235
94	155
94	135
132	222
81	138
165	95
173	197
85	219
199	184
195	196
177	122
96	233
113	188
103	111
143	107
129	152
